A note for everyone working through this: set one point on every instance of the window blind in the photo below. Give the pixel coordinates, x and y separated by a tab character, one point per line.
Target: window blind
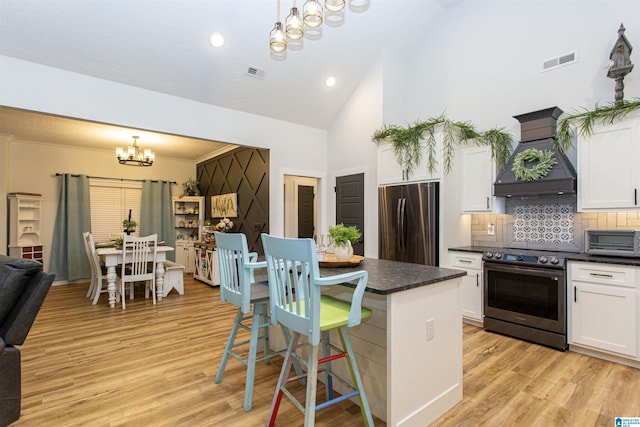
110	205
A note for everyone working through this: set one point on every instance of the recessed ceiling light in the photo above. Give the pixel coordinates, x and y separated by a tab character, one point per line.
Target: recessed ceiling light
216	40
330	81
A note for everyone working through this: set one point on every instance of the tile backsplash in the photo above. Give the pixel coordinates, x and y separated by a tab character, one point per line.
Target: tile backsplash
551	225
543	223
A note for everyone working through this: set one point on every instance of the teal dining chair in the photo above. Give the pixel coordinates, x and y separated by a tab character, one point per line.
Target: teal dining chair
297	303
238	287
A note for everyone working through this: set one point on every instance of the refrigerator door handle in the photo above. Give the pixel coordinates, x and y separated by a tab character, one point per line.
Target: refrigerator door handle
403	225
398	222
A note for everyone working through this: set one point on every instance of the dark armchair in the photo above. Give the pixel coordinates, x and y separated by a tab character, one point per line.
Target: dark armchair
23	287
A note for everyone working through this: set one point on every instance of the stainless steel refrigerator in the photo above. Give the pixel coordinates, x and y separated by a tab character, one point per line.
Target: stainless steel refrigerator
408	223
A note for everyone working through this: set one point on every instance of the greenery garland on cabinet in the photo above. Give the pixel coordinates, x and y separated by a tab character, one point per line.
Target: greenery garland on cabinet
406	142
408	151
584	121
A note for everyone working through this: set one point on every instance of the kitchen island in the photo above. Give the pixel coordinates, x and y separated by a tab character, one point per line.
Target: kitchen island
410	350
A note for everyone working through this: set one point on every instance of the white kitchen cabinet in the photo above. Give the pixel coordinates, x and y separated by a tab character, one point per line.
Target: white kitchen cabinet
471	284
608	173
603	308
390	172
185	255
206	264
478	176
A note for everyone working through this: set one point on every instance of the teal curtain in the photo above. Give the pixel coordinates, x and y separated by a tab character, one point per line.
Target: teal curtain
156	213
68	255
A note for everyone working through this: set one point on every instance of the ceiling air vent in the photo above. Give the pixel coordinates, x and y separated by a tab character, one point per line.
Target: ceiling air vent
559	61
255	72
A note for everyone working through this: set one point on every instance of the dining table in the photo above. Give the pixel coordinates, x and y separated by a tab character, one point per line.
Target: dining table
112	258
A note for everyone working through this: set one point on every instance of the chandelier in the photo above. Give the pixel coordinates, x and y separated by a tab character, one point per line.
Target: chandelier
134	156
312	17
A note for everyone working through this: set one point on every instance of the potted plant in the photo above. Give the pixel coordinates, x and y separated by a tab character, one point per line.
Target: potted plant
129	226
190	188
341	238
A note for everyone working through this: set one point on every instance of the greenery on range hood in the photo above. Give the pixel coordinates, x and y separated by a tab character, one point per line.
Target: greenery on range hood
406	142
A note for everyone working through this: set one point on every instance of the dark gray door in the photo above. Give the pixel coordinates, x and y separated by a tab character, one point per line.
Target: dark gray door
305	211
350	205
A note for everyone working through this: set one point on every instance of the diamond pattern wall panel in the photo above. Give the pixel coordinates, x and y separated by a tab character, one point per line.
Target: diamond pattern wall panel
244	171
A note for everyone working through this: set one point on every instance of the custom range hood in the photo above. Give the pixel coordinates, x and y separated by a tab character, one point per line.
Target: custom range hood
538	130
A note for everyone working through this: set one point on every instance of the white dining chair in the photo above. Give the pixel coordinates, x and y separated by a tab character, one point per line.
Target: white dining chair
98	283
139	255
92	283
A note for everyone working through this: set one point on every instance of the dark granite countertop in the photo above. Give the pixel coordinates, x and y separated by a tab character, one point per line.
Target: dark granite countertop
387	277
569	256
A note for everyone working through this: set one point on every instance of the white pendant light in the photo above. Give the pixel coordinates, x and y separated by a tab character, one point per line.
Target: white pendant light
312	14
277	39
294	28
334	5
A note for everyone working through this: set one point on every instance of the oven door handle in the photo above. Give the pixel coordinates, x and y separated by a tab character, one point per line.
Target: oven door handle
555	273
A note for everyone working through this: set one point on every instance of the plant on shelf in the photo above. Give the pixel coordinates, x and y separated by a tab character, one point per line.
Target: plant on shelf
585	120
406	142
190	188
129	226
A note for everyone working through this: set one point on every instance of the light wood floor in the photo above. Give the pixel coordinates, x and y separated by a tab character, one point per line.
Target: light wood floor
154	366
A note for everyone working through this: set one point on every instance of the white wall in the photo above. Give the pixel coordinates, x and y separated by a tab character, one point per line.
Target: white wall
40	88
483	59
351	150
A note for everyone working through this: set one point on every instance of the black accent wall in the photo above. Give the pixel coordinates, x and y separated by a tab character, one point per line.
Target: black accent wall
244	171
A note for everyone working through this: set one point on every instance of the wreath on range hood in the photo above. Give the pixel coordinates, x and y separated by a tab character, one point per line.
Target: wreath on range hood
523	172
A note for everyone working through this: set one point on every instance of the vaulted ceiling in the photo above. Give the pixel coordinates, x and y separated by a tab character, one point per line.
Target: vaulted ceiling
163	46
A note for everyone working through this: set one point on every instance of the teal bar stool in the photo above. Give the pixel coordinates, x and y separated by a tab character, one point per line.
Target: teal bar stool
237	287
297	303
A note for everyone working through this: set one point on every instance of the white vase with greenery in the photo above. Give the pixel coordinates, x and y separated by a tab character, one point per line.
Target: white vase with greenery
341	237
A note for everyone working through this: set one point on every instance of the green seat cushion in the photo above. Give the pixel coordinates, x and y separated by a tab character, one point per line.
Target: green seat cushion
334	313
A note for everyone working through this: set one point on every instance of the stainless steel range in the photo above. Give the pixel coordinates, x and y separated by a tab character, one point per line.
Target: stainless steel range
525	295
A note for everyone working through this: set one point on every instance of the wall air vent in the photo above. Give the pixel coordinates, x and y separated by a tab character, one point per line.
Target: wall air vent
559	61
255	72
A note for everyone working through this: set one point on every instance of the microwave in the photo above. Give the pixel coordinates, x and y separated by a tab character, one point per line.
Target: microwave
612	242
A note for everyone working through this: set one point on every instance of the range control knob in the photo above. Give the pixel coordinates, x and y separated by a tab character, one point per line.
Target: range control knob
554	260
489	254
498	255
542	260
